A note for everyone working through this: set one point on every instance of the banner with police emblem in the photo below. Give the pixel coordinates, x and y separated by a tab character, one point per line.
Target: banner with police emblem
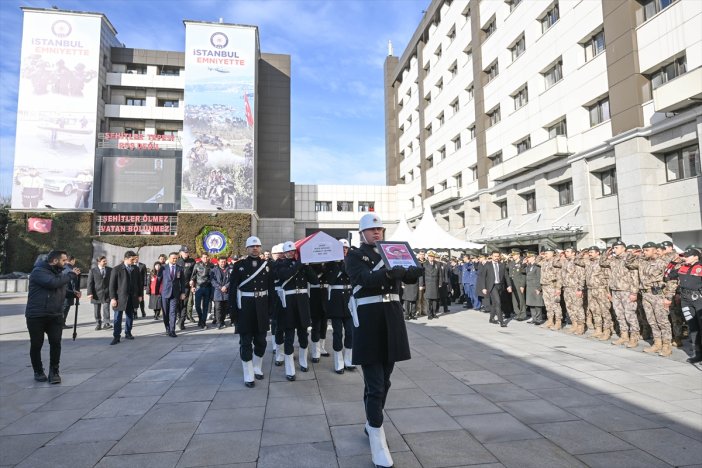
56	119
221	62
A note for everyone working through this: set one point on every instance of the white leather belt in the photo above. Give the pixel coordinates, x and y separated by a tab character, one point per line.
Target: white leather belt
338	287
375	299
317	286
296	291
240	294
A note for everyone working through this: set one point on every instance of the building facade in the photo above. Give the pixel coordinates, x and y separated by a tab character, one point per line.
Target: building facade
563	122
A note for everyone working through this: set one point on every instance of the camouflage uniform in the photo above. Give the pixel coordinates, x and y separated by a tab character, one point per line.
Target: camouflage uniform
550	289
651	273
671	286
573	280
621	285
597	281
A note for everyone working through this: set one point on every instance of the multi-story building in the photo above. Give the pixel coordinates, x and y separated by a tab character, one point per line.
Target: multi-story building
566	122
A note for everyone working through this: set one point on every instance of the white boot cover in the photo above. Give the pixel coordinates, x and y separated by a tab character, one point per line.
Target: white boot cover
379	447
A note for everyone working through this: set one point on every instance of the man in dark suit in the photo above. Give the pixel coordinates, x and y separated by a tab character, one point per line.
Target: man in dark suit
143	273
126	290
99	292
492	283
171	283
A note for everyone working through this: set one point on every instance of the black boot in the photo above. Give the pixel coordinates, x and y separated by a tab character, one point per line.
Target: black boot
40	376
54	377
697	357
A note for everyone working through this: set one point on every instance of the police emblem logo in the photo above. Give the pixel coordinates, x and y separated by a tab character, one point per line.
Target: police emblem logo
254	263
61	28
219	40
241	268
366	259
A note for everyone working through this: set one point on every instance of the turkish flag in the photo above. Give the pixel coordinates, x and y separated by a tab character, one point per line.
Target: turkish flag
42	225
249	113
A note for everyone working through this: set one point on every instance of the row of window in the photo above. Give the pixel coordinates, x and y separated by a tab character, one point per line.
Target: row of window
134	69
345	206
129	101
141	131
598	112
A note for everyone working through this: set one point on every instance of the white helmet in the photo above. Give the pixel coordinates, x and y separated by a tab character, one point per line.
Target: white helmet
289	246
277	249
369	221
252	241
345	243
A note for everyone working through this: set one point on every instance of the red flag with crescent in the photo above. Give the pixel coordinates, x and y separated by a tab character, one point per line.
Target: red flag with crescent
249	113
42	225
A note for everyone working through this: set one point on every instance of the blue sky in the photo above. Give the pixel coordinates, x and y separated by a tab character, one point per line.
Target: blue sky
338	48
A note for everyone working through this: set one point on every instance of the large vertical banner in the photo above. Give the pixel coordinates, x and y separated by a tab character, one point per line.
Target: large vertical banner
218	130
56	111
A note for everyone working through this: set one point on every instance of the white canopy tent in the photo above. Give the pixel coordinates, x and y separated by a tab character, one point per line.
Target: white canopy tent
430	235
403	232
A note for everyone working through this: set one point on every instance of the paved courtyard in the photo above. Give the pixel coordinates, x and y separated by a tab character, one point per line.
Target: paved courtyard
474	394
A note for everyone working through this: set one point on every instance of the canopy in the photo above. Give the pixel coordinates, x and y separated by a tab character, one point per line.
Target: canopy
430	235
403	232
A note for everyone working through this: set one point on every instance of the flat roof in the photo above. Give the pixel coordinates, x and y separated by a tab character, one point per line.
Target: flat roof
72	12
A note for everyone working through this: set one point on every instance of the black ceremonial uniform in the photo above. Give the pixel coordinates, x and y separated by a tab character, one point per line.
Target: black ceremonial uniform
294	278
690	278
337	299
252	301
318	305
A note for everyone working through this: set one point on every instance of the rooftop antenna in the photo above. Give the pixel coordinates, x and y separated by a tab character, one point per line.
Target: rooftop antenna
390	51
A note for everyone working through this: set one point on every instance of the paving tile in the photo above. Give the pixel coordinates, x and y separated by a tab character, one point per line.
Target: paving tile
665	444
130	406
96	430
640	404
297	388
503	392
219	449
339	414
73	455
350	440
567	397
342	394
189	393
612	418
478	377
76	401
444	387
13	449
623	459
536	411
295	430
408	398
532	454
232	420
533	381
235	399
447	448
580	437
411	420
161	415
140	389
500	427
159	375
312	455
461	405
141	460
281	407
45	421
164	438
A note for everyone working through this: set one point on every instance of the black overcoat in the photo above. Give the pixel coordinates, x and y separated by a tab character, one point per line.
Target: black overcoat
337	299
432	277
297	311
533	284
253	314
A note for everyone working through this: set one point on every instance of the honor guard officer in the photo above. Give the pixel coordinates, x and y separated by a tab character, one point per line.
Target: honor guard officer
318	314
379	337
276	332
338	295
690	276
250	292
293	293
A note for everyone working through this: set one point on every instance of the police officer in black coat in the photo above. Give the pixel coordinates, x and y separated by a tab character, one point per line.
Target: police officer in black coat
379	337
689	274
250	292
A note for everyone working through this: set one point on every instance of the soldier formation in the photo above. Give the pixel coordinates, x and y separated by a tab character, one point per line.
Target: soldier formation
634	293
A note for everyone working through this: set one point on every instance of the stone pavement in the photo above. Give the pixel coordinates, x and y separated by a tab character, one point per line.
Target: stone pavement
473	395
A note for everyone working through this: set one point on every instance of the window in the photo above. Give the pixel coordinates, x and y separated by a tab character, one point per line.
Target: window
430	162
457	143
653	7
409	120
169	71
518	48
410	148
474	173
167	103
559	128
344	206
134	131
683	163
453	69
521	98
466	12
136	69
136	101
440	85
550	18
599	111
443	186
430	191
668	72
427	99
438	53
594	46
469	53
565	193
455	106
470	92
471	132
490	28
459	180
513	4
492	71
322	206
442	153
496	158
530	199
427	68
609	182
104	94
502	205
167	132
452	34
554	74
441	119
523	145
494	116
428	129
367	206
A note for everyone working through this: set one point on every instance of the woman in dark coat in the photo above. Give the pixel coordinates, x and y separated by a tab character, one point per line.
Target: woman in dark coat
154	295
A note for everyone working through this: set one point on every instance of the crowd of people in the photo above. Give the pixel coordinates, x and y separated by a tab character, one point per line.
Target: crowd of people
629	292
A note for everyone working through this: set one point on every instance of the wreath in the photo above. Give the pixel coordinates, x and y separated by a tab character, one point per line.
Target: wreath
214	240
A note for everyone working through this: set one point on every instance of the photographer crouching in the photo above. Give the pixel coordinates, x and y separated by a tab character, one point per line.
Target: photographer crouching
47	291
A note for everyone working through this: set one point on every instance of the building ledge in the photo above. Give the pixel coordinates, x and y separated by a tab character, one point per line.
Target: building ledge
677	94
532	158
